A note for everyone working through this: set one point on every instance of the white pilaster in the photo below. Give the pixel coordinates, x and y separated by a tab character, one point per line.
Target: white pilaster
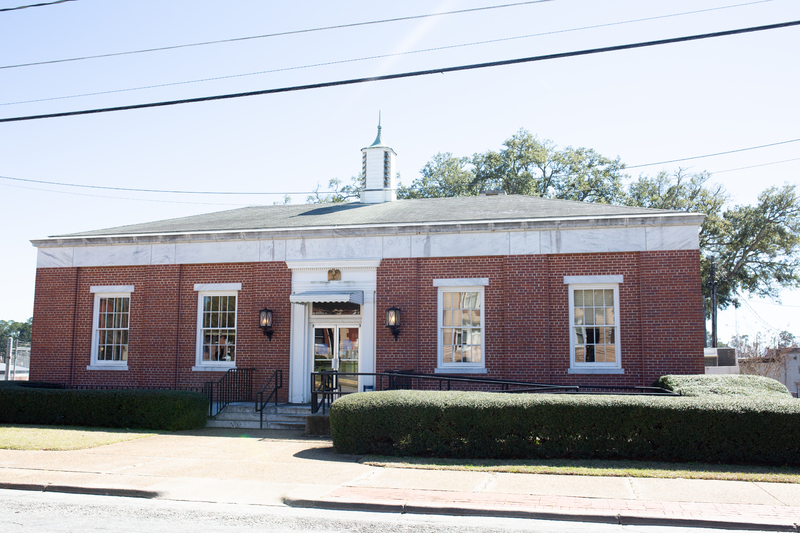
299	355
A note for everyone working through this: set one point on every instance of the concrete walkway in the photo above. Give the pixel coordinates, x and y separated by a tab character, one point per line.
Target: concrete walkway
263	467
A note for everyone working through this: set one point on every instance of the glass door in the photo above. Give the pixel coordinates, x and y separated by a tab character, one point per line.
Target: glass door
336	348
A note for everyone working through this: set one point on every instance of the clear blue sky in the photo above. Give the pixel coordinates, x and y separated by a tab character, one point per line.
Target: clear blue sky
645	105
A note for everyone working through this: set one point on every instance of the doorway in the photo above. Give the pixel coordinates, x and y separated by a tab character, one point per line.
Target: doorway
336	347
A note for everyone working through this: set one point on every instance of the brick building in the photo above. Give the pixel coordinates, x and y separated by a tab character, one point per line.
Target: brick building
499	286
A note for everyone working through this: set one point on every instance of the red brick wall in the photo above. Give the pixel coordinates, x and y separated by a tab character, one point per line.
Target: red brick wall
160	352
53	323
525	316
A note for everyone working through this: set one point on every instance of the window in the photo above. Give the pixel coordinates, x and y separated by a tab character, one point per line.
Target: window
461	327
110	327
594	328
216	326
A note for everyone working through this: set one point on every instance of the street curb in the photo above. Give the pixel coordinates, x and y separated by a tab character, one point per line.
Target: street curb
69	489
623	520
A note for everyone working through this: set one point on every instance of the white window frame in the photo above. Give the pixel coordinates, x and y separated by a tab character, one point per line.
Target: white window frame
460	285
214	289
592	283
108	291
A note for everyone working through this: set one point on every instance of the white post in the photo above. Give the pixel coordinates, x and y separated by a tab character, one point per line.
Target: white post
9	347
14	364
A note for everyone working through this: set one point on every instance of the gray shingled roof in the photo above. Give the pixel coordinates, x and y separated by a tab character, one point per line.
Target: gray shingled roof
419	211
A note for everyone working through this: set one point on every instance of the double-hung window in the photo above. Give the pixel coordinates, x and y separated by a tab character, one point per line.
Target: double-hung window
216	325
110	327
594	324
461	327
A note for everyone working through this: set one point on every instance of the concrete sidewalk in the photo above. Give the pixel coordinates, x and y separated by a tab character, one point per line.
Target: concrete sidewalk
264	467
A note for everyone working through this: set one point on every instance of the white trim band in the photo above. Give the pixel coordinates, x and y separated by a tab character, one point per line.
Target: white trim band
587	280
198	287
110	288
107	367
460	282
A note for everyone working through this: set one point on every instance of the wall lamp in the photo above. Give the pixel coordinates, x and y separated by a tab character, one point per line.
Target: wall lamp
393	321
265	322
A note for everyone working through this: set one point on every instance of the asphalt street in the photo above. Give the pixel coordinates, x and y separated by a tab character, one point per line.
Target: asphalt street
34	512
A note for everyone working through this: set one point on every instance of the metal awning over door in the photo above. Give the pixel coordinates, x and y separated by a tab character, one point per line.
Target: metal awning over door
355	297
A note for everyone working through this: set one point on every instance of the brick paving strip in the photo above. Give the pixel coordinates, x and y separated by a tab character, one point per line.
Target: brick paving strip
617	511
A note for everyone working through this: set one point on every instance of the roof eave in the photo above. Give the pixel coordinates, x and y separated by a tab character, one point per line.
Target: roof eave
576	222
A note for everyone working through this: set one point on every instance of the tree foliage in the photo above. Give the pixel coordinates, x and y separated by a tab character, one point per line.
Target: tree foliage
525	165
758	247
755	248
339	193
21	331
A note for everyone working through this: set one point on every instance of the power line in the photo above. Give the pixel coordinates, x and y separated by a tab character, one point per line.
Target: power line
712	155
126	189
123	197
35	5
382	56
756	166
278	34
413	74
769	303
758	316
250	193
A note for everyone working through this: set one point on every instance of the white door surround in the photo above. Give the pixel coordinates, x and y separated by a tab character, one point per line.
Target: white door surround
339	279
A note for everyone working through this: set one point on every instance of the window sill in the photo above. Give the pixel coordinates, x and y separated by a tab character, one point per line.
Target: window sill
468	370
596	371
108	367
214	368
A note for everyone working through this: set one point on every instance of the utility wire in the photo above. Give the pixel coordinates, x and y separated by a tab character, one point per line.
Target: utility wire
278	34
413	74
716	154
758	316
123	197
755	166
382	56
249	193
152	190
768	303
35	5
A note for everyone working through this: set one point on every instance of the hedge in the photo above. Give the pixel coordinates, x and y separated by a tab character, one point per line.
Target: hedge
146	409
724	385
728	429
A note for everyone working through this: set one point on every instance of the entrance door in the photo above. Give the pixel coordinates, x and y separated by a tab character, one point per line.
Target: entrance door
336	348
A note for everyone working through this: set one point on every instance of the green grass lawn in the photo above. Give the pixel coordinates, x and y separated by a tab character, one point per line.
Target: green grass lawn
591	467
57	438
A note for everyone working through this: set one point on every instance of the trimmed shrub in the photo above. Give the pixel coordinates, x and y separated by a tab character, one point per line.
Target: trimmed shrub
146	409
727	429
724	385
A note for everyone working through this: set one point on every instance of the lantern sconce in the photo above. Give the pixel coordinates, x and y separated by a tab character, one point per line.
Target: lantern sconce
265	322
393	321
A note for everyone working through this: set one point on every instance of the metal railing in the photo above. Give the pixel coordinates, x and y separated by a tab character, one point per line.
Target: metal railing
326	386
127	387
276	381
235	386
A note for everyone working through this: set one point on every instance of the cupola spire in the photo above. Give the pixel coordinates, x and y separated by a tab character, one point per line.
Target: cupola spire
378	171
378	139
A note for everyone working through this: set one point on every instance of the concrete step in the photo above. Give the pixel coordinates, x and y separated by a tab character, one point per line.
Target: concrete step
244	415
243	424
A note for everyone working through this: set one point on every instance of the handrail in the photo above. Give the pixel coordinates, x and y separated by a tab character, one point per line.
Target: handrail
235	386
261	403
329	390
328	387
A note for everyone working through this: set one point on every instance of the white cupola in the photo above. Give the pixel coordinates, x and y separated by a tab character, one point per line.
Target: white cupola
378	172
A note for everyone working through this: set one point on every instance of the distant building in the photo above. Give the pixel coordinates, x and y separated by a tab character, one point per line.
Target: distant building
511	287
781	364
